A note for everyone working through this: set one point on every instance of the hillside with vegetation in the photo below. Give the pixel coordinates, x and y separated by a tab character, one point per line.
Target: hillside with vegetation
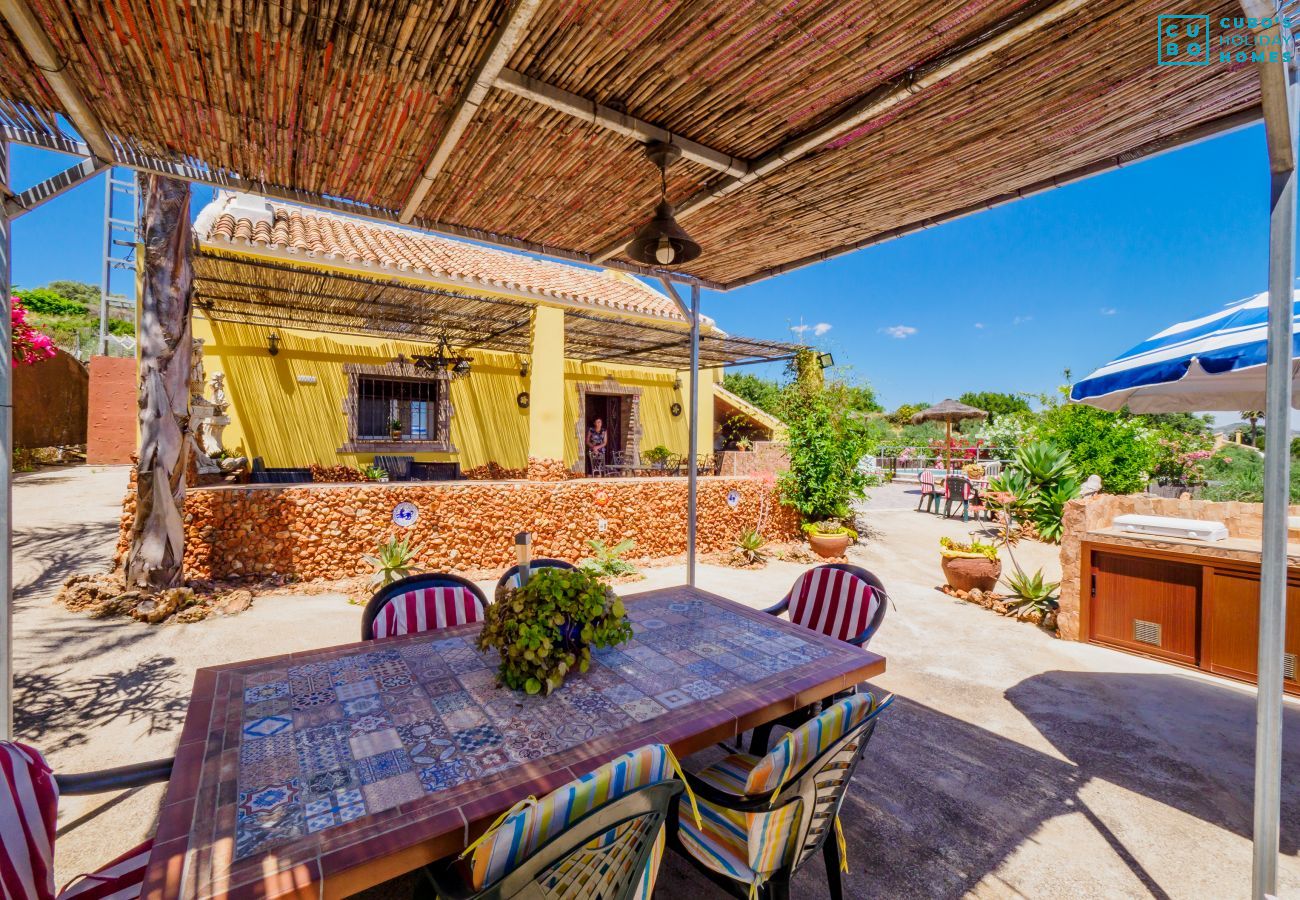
68	311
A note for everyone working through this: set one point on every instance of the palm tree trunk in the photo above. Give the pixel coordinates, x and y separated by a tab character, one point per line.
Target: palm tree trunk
158	534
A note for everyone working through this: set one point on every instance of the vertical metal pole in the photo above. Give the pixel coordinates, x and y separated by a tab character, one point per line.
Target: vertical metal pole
694	434
6	472
1277	481
106	278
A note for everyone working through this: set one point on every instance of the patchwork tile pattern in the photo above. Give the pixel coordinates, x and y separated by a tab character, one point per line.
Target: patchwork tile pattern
421	718
296	771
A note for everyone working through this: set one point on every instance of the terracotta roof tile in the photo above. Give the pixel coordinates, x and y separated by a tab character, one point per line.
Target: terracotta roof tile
240	219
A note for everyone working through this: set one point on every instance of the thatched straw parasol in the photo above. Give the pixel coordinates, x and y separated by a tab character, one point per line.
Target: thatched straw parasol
948	411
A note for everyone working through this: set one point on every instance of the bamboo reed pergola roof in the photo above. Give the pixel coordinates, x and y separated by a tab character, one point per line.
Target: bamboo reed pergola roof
808	128
234	286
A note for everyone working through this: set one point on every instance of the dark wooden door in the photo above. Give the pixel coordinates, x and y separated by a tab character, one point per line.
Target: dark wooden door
1232	627
1148	605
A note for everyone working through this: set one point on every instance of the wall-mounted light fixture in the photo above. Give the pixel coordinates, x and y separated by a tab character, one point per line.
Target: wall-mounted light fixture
524	367
826	360
273	343
677	383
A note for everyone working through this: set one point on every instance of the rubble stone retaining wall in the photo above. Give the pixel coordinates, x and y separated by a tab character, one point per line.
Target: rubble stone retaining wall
322	531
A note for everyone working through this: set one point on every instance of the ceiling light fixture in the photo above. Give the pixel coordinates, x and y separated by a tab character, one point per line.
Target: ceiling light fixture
661	241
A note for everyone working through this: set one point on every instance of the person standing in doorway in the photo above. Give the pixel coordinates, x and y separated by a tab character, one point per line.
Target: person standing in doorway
597	441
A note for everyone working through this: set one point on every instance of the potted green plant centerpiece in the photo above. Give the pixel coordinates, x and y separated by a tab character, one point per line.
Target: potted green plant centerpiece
546	629
829	538
395	429
969	566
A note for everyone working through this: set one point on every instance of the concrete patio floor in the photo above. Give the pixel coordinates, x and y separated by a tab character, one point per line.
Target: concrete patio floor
1013	764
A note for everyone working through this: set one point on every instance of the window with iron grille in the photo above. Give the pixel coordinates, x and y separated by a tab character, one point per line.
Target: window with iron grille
384	401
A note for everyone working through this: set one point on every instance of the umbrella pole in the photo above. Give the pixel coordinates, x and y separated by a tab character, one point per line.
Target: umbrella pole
947	448
1273	564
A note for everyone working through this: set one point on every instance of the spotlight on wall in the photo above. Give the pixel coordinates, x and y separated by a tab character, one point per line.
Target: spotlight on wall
677	383
524	368
826	360
273	343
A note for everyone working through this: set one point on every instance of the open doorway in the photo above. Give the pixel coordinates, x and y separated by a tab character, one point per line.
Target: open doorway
608	408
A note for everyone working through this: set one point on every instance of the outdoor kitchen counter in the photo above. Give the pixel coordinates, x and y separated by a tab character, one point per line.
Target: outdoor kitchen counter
1246	550
1189	602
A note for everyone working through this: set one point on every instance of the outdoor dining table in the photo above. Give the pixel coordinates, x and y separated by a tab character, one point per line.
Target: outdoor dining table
325	772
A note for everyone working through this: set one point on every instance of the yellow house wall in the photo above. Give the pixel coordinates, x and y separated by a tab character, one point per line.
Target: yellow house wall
288	423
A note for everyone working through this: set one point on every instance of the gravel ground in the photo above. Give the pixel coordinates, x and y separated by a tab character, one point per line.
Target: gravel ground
1013	764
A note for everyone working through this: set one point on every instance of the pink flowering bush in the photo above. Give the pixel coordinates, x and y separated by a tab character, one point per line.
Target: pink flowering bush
1181	460
29	345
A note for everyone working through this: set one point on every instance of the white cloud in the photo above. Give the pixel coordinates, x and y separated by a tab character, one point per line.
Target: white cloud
979	324
1020	320
899	332
821	328
1108	310
800	329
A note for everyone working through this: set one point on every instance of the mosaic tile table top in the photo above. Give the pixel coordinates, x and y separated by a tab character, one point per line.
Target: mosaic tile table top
329	771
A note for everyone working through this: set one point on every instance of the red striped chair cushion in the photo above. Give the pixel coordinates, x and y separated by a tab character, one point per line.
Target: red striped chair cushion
832	601
29	801
119	880
427	609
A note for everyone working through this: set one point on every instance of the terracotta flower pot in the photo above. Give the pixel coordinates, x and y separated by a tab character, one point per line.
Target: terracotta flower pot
966	573
829	546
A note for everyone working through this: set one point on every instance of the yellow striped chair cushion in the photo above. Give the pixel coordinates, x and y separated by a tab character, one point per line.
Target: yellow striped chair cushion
523	831
801	746
750	846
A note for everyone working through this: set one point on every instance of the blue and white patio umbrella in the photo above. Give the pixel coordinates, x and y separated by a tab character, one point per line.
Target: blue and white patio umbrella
1214	362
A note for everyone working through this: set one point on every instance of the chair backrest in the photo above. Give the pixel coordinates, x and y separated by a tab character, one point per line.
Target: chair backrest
810	769
29	800
958	487
424	602
840	600
624	458
601	835
926	480
595	462
397	467
511	576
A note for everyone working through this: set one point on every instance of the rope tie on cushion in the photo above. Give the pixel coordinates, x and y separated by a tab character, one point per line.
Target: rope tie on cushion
681	776
496	826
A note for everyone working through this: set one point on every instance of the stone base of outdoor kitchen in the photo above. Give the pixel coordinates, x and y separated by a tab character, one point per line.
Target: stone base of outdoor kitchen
313	531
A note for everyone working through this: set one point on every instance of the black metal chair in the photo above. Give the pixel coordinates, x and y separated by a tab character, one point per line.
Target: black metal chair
596	465
511	576
424	602
790	814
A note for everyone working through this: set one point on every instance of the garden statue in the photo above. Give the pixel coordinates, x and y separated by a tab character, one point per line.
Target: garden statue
208	420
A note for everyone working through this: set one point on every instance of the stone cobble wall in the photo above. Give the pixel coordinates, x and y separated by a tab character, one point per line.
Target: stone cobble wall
322	531
1243	520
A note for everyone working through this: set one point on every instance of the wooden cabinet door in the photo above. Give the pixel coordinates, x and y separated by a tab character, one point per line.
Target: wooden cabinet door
1148	605
1232	627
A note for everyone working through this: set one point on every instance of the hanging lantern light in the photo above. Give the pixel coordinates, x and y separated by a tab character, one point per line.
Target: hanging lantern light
661	241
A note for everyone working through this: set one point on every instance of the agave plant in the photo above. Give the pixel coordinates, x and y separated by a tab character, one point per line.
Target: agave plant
1033	592
749	546
1043	463
392	561
607	561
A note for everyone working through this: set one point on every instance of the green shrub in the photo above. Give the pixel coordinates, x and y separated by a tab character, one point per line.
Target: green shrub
1033	593
1116	447
394	561
658	455
51	303
607	561
749	547
825	441
1042	479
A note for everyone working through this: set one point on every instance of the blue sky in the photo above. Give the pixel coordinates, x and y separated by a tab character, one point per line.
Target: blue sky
1004	300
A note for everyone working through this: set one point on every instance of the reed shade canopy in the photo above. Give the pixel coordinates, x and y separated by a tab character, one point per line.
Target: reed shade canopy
237	288
948	411
806	130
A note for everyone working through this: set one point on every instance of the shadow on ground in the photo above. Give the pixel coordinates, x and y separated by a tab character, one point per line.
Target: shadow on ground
53	711
49	554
